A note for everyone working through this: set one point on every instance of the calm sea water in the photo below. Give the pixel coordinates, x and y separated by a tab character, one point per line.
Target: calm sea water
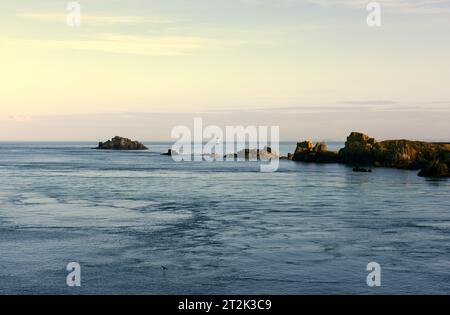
219	228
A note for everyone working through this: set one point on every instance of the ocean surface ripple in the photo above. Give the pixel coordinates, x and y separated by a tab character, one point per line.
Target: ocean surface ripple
219	228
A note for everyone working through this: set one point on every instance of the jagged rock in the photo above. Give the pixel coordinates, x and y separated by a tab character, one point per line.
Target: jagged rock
435	169
305	152
357	150
305	146
320	147
119	143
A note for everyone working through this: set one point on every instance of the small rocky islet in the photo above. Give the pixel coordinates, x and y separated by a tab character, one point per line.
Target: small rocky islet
119	143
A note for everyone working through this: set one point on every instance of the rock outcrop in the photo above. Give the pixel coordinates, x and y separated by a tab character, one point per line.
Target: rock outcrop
435	169
358	150
119	143
254	154
361	150
170	152
306	152
289	156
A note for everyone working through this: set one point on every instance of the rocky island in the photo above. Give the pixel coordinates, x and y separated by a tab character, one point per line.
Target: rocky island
433	159
119	143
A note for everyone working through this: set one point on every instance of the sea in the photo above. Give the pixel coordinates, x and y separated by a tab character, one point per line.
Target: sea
138	222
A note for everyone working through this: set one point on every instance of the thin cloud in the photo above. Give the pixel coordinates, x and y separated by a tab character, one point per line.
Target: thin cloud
353	107
369	102
17	118
106	20
403	6
124	44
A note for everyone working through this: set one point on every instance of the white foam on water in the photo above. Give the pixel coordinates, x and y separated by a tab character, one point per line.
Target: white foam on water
130	204
40	211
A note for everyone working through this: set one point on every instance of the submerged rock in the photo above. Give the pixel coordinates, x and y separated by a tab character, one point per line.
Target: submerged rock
362	170
119	143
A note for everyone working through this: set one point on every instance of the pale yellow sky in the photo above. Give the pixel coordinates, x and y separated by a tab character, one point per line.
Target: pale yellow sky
177	56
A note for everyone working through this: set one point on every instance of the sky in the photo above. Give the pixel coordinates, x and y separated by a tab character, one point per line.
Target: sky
141	67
